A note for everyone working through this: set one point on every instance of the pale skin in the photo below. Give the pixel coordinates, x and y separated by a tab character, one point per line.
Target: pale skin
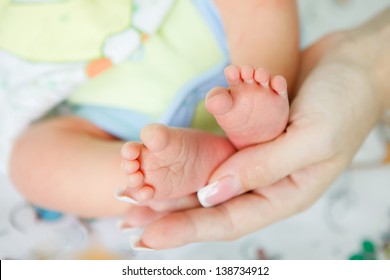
174	162
70	165
344	92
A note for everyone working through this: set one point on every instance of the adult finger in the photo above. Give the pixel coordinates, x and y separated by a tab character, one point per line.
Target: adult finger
264	164
243	214
140	216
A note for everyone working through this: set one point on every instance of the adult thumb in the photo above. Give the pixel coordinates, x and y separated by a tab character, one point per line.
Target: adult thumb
261	165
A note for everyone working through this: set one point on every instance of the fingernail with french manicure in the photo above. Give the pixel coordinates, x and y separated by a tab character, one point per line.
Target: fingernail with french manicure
219	191
136	244
122	227
119	195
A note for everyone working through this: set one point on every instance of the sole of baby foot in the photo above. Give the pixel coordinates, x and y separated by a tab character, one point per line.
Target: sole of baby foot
254	109
172	162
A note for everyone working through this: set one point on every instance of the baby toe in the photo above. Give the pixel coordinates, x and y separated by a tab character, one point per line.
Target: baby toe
135	180
219	101
262	77
279	85
155	137
131	150
144	194
232	74
130	166
247	73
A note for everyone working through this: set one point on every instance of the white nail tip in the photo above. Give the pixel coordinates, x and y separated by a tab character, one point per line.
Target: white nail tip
135	244
120	225
206	192
121	197
265	84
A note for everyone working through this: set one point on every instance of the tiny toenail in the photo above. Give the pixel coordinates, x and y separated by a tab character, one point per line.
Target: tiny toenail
234	82
134	180
124	165
265	84
124	150
145	193
283	93
119	196
128	154
219	191
129	167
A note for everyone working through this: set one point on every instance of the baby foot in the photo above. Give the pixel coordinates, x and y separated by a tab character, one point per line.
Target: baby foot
171	162
254	109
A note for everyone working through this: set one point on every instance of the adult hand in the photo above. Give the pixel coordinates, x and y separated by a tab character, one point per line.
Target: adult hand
337	105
